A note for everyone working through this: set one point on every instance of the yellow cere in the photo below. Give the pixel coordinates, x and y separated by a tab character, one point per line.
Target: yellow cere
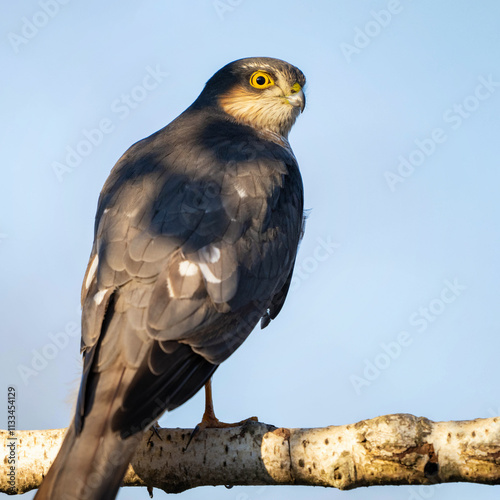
296	87
261	80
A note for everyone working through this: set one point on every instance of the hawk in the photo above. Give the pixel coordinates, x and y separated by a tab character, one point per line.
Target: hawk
196	234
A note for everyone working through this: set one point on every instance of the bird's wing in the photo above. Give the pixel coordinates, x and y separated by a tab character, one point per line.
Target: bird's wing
189	252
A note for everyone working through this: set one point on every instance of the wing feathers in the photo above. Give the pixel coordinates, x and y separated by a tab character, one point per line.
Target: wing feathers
193	262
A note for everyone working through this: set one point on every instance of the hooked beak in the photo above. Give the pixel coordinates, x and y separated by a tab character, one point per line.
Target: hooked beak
297	98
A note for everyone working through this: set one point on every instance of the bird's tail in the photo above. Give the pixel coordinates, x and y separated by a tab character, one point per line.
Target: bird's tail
91	463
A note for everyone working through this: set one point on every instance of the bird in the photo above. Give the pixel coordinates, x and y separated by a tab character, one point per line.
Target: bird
195	240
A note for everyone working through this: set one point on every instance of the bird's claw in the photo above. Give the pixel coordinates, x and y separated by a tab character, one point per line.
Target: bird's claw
154	430
212	422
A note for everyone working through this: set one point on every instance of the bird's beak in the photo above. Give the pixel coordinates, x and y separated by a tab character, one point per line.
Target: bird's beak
296	97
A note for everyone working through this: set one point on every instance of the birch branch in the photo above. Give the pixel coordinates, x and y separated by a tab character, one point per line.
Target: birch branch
387	450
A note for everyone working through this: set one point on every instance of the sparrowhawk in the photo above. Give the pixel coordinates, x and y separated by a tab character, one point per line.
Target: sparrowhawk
196	234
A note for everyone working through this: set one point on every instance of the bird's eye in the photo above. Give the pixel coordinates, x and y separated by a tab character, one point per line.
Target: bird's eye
261	80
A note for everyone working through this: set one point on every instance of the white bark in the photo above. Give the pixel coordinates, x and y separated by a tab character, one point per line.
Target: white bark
392	449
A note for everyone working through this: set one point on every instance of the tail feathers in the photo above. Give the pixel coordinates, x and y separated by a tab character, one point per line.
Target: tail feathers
114	408
88	466
164	383
91	464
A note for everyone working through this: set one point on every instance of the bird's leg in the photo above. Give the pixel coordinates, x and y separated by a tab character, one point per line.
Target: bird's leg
209	420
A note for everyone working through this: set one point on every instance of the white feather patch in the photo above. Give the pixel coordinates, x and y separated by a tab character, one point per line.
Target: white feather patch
99	296
91	274
209	275
209	253
241	191
187	268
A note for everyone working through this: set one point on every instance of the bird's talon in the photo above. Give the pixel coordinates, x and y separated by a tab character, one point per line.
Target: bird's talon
154	430
193	434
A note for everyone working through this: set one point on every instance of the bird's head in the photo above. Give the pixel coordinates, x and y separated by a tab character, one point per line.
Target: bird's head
264	93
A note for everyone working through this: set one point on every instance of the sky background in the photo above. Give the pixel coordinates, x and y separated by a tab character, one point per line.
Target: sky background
394	307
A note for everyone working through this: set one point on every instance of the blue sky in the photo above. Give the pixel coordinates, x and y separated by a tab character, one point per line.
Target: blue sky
394	305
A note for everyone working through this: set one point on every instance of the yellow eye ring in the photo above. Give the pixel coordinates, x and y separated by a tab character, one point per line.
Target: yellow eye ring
261	80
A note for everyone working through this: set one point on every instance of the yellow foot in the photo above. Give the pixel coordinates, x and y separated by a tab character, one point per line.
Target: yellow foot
210	421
